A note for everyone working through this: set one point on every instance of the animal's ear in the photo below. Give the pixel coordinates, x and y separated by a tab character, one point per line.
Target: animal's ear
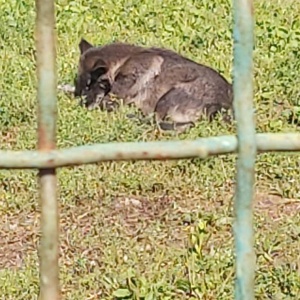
99	68
97	72
84	45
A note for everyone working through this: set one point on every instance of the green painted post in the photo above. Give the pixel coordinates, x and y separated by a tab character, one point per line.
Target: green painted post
243	106
47	112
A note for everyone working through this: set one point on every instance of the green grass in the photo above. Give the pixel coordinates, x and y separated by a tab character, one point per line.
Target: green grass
150	230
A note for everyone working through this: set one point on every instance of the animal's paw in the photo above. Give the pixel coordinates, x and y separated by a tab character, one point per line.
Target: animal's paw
66	88
141	119
109	105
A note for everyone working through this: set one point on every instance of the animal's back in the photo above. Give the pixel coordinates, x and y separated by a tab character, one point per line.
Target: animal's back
161	80
179	69
112	56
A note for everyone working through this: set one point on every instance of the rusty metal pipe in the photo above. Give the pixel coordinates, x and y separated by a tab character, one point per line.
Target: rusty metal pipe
247	148
202	148
47	112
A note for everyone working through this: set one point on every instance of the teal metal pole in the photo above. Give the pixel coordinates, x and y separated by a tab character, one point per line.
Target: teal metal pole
88	154
47	112
244	113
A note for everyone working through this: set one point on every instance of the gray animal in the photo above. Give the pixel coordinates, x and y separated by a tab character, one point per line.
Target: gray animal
159	82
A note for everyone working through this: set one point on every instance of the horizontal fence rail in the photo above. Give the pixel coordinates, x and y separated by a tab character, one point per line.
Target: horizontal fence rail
246	144
201	148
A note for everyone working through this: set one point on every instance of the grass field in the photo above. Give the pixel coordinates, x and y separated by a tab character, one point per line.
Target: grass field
150	230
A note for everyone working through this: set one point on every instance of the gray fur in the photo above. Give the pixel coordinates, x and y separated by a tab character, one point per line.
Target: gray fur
155	80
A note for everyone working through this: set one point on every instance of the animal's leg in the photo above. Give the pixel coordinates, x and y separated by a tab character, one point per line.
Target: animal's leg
135	81
167	107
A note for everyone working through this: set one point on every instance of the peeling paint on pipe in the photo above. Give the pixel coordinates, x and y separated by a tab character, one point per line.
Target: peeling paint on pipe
47	112
201	148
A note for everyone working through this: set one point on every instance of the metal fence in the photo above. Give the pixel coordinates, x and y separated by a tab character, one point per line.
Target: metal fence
246	144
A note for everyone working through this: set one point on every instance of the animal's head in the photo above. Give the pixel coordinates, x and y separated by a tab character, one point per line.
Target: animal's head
91	81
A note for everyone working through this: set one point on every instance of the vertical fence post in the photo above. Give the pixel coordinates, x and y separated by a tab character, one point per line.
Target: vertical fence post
47	112
243	106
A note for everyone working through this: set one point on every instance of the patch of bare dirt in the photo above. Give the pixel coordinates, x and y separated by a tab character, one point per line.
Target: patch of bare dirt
18	236
275	206
19	232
